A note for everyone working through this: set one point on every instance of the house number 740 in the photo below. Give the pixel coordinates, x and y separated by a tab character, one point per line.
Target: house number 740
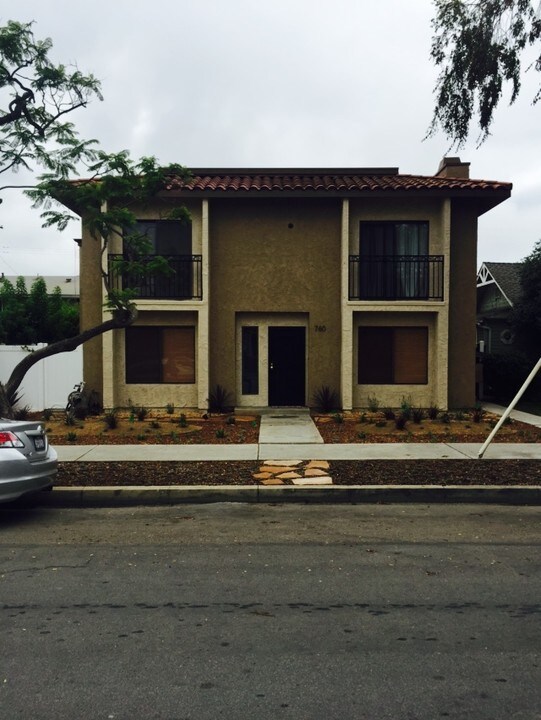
321	328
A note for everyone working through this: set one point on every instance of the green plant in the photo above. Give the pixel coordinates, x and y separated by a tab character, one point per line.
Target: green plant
174	436
406	407
389	413
169	408
338	418
381	423
231	420
400	421
110	419
182	421
445	418
220	400
433	412
459	415
140	436
71	436
220	433
361	435
477	414
325	399
22	413
47	413
155	425
373	403
417	415
131	418
69	419
362	418
141	413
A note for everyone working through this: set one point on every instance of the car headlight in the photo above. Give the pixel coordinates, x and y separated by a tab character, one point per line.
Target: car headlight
9	440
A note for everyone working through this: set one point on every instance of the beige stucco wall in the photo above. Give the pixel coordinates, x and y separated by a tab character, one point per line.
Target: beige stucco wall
262	265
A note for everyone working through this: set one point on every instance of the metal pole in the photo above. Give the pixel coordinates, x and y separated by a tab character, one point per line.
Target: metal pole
509	409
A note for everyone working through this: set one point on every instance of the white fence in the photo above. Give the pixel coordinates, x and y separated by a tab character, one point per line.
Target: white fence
48	382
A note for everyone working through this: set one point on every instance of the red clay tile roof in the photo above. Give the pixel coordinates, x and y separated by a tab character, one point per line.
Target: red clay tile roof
347	181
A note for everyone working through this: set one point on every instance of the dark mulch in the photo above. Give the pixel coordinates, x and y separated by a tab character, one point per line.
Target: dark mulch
343	472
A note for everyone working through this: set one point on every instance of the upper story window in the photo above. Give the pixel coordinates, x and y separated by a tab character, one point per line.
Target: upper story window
167	237
393	238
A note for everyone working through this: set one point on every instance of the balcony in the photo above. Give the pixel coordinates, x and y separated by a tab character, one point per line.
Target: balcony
396	277
182	282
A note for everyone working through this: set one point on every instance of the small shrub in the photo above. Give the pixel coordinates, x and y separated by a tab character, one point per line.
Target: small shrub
174	436
362	418
131	418
433	412
140	436
21	413
231	420
373	403
381	423
71	436
182	421
459	415
169	408
110	419
325	399
361	435
400	421
220	433
418	415
406	407
141	413
445	418
69	419
389	414
47	413
155	425
338	418
80	411
477	414
220	400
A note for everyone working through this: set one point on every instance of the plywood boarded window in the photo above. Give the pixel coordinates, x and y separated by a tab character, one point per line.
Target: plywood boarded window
160	355
393	356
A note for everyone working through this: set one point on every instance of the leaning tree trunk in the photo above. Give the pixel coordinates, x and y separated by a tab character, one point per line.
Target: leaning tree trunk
120	319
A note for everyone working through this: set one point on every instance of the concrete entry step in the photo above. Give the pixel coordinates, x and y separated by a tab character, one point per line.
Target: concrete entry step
288	426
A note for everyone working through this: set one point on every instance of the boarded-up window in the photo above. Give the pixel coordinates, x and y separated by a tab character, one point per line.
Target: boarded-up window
393	356
160	355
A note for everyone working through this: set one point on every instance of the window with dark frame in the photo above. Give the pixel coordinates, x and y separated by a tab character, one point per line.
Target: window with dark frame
250	360
392	356
156	354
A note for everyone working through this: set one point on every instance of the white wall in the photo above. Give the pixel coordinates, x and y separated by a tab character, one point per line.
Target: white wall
48	382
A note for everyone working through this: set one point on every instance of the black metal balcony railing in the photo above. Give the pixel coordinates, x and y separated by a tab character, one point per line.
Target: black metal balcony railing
182	282
396	277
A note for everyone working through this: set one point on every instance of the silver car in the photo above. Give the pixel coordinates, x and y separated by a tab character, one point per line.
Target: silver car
27	461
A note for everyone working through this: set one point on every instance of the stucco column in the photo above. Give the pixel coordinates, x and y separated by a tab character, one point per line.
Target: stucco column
203	389
443	319
346	349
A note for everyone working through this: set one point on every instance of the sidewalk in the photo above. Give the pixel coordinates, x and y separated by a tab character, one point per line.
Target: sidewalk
287	435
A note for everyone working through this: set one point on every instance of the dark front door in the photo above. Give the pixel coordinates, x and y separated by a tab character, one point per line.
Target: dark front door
287	365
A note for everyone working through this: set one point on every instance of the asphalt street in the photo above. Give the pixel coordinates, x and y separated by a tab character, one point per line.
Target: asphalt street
286	611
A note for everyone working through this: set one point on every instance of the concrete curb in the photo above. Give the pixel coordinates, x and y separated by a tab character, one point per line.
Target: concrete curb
126	496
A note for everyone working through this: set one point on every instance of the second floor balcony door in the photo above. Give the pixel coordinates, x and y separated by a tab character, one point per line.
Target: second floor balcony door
393	260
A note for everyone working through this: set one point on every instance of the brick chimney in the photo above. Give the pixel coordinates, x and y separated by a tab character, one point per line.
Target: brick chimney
453	167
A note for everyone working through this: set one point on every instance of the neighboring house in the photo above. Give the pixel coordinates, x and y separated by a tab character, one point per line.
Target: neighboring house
498	289
362	280
69	286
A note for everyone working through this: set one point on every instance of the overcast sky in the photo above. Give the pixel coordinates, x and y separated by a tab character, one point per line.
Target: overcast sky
274	83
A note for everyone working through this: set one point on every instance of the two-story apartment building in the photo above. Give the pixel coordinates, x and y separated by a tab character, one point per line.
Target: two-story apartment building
287	280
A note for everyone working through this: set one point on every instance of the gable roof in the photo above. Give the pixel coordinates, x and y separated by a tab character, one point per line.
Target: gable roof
505	275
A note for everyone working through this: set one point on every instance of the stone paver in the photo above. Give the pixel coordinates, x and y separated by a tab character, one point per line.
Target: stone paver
296	472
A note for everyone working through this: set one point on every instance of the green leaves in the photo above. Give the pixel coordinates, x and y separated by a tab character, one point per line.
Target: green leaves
479	44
